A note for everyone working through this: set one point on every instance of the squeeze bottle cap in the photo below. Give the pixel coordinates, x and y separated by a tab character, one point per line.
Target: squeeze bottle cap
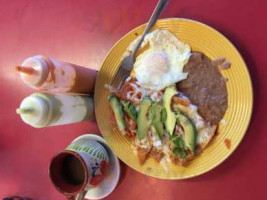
34	110
34	70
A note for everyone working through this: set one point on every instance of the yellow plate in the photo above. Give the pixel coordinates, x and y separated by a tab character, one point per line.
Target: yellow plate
212	43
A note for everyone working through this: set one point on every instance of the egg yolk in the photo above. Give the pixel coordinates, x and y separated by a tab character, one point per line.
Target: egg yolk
156	62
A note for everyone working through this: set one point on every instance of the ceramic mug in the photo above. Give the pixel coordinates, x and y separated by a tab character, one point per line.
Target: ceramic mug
81	166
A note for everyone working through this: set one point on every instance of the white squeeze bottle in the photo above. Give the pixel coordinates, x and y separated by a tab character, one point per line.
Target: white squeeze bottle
49	74
43	109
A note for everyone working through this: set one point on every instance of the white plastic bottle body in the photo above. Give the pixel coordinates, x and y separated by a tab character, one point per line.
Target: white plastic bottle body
44	110
73	108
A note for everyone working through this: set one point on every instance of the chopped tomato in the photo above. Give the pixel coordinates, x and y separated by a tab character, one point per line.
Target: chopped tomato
130	134
227	143
182	101
126	87
130	127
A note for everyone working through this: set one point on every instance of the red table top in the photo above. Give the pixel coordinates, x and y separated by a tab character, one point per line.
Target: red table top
82	32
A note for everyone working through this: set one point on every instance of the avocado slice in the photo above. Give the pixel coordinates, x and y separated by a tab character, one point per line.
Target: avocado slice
156	110
179	147
142	119
190	132
163	115
117	109
170	116
129	108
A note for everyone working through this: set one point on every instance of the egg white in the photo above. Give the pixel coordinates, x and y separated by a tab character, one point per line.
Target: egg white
162	63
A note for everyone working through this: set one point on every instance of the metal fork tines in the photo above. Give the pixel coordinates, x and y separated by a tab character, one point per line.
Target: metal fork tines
123	72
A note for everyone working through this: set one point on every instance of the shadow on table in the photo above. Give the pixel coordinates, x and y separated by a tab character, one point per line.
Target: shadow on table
16	198
123	172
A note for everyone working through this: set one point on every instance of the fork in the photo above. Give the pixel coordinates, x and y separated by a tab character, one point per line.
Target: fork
127	63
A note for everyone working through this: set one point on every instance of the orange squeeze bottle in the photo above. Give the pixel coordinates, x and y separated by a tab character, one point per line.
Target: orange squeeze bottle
52	75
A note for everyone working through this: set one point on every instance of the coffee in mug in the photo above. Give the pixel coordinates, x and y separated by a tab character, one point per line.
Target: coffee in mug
80	167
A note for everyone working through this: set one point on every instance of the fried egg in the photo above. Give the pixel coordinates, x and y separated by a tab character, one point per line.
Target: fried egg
162	63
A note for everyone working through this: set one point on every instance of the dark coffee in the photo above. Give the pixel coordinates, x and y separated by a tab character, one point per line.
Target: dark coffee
72	170
68	172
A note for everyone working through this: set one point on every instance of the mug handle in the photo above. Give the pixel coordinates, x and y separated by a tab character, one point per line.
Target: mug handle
79	196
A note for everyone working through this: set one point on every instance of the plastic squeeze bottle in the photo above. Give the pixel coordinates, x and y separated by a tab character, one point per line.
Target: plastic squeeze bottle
49	74
43	109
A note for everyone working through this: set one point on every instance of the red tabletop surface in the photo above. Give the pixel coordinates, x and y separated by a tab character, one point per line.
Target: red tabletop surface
82	32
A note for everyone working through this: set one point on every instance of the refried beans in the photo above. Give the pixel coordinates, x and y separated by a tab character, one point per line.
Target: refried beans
205	87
